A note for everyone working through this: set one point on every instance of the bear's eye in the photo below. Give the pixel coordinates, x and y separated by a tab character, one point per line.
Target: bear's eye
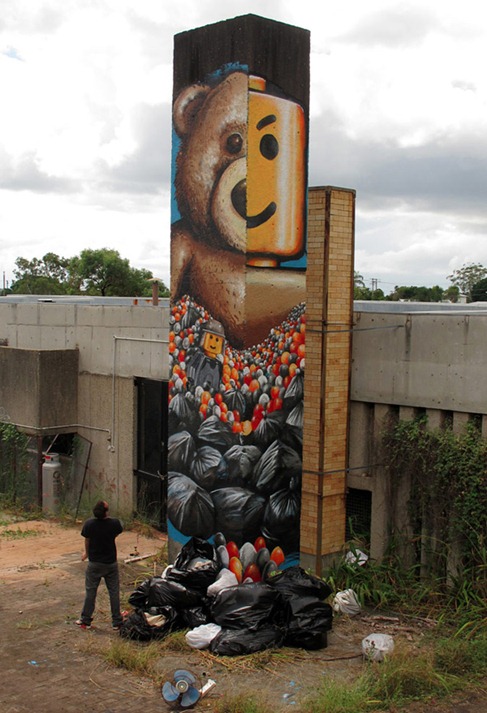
234	143
269	147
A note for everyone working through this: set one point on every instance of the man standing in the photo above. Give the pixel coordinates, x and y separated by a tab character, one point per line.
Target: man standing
101	552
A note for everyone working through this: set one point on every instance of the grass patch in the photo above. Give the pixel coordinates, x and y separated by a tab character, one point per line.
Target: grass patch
18	534
462	657
335	697
402	678
133	656
406	677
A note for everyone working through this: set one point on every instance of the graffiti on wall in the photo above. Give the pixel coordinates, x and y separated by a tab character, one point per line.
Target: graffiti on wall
237	325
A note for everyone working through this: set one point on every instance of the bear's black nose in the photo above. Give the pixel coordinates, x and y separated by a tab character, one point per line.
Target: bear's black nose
239	198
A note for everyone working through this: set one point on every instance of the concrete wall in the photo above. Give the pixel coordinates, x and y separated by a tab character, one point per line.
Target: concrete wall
434	361
405	363
101	333
97	349
39	389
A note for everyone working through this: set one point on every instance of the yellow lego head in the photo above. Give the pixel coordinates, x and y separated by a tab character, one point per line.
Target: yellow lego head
213	339
276	177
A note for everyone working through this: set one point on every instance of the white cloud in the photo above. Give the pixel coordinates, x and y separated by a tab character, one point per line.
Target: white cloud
398	111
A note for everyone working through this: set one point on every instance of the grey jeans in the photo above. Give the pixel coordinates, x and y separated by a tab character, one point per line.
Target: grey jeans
95	572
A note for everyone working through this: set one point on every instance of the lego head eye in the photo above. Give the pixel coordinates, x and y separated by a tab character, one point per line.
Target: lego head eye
234	143
269	147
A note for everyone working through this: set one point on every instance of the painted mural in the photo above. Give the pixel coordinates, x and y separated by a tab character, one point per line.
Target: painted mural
238	322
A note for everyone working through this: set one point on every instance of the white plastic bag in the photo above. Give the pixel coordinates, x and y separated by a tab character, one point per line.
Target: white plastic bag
346	602
356	557
202	636
375	647
224	580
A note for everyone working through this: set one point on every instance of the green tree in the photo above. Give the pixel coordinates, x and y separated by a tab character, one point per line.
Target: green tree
466	277
103	272
452	293
413	293
479	291
46	276
94	272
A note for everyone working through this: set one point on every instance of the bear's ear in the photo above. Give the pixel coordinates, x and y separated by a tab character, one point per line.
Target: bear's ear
187	106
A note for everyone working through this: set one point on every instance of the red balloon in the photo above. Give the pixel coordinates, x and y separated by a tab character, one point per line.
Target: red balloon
232	549
260	543
277	556
253	572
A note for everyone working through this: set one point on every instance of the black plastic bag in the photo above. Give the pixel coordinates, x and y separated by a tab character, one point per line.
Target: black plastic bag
216	433
189	507
240	642
139	597
295	582
249	606
276	468
281	520
238	513
294	392
167	592
205	468
269	428
136	626
196	566
180	452
310	618
196	616
241	461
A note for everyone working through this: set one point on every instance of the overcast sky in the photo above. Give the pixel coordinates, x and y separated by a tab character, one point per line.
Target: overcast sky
398	112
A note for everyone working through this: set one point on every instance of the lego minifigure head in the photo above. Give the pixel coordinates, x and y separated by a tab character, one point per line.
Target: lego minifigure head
213	339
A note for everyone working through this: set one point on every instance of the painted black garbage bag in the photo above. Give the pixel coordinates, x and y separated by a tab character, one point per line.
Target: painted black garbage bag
180	452
189	507
238	513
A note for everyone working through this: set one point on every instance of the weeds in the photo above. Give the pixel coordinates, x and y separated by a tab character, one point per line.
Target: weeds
462	656
400	679
139	659
18	534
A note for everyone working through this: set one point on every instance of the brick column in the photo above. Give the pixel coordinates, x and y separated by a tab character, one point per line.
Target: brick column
329	308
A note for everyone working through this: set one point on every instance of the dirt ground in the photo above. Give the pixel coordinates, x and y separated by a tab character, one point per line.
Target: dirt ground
51	666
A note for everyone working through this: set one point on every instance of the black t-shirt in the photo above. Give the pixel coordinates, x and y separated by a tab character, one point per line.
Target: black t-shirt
101	535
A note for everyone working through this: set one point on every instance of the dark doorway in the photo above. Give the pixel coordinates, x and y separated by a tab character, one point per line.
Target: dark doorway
359	514
151	468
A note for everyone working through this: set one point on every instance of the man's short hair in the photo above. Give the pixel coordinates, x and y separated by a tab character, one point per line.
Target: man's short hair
100	509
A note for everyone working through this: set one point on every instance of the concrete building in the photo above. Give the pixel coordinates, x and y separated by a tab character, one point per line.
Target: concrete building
94	369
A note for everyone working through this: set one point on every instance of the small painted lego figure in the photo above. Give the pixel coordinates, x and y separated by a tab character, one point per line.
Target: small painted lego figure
204	367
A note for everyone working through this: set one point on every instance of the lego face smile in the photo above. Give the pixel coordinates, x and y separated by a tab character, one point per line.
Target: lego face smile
275	176
212	344
260	198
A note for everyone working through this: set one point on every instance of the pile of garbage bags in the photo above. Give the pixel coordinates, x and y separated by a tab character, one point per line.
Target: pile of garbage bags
288	608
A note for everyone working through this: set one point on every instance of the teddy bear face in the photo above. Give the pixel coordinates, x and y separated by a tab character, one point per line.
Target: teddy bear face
212	159
240	180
